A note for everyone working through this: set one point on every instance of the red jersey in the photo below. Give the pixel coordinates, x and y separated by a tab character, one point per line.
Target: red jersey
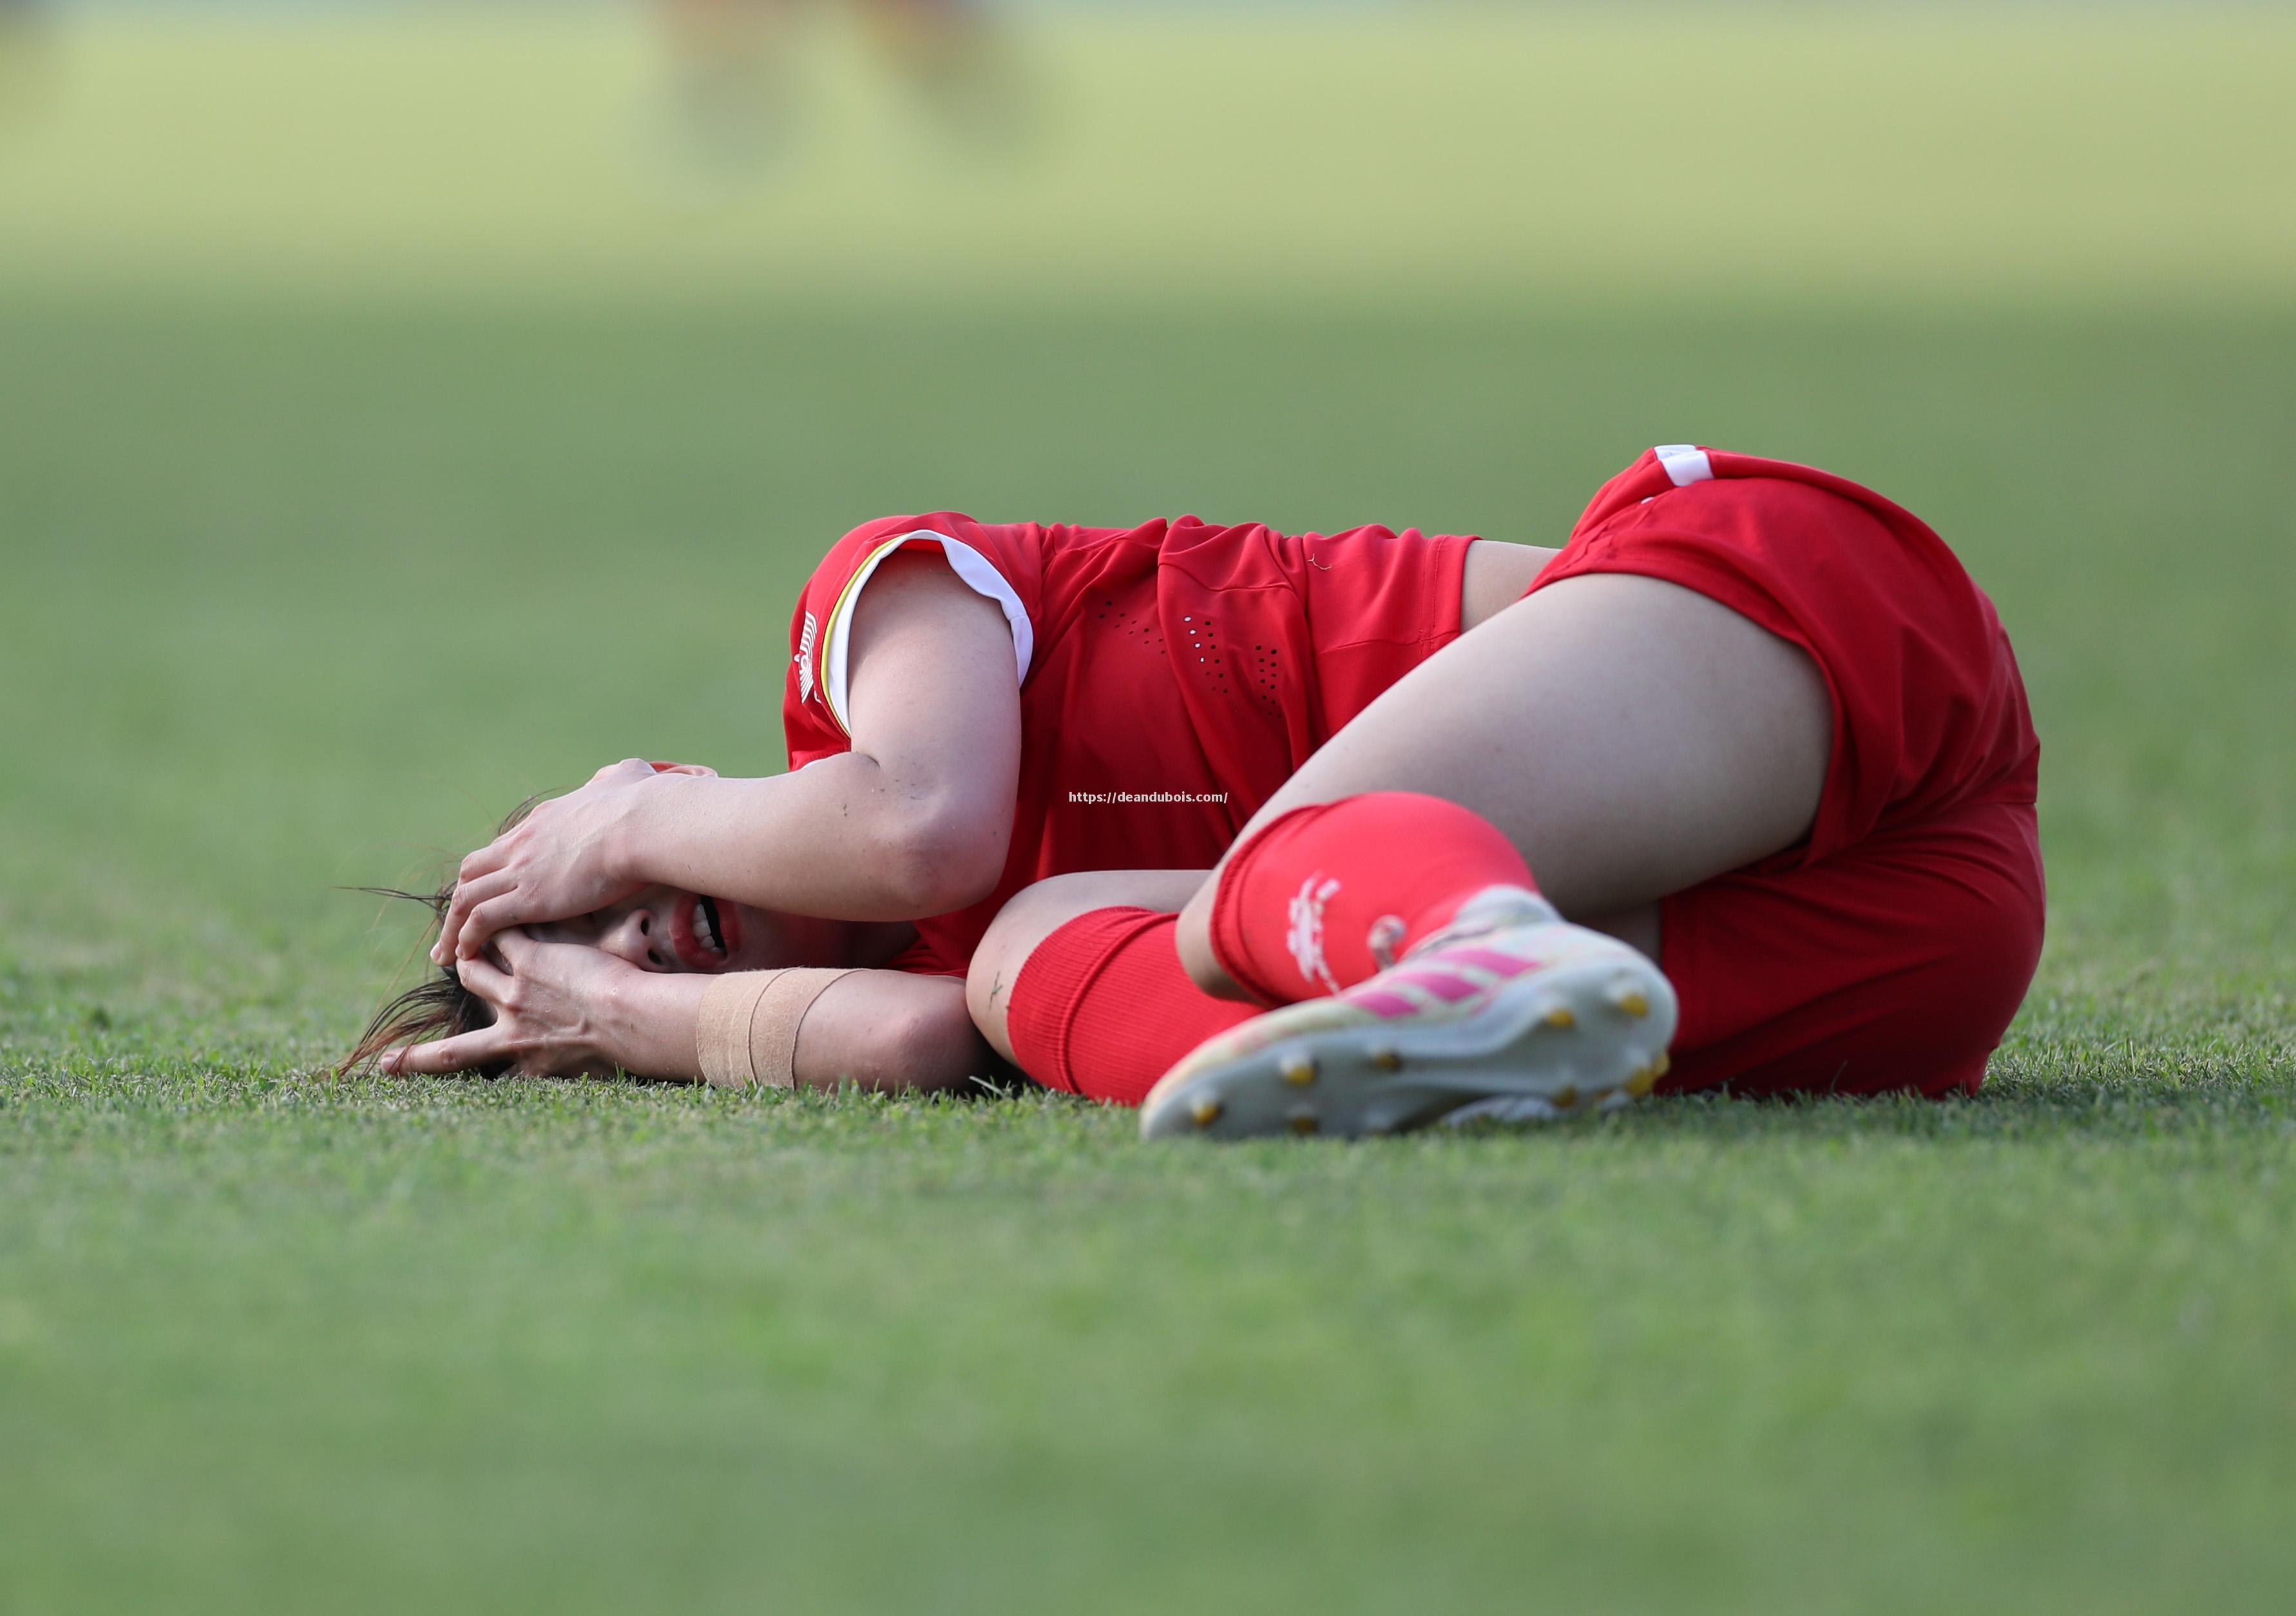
1172	675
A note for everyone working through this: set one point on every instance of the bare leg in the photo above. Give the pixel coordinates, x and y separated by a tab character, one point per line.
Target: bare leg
728	66
1495	577
1630	736
958	60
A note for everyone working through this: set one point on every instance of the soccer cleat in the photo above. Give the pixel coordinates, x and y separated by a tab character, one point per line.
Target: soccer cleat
1509	1013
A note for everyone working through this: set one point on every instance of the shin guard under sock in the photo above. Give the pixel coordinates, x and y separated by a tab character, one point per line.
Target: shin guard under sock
1333	893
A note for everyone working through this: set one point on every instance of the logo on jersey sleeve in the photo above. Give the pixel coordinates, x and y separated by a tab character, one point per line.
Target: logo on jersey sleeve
804	658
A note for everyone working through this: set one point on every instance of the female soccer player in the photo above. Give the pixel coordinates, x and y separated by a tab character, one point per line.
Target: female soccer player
1752	720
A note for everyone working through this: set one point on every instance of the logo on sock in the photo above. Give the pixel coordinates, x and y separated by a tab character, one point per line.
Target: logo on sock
804	658
1306	935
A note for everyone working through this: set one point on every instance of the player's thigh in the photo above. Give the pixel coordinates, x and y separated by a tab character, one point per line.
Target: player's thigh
1631	736
1035	913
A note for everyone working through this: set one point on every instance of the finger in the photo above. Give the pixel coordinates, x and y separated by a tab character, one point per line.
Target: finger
488	858
468	897
458	909
484	978
487	920
516	947
628	768
465	1053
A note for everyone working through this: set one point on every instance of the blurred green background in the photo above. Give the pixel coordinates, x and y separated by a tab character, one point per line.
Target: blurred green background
399	415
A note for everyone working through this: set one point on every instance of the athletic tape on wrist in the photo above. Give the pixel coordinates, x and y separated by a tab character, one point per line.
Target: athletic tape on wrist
748	1029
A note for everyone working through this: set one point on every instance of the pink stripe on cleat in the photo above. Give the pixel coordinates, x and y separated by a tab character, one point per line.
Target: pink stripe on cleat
1501	965
1442	984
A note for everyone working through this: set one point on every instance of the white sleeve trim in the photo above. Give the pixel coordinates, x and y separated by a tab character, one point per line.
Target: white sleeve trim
1685	464
970	565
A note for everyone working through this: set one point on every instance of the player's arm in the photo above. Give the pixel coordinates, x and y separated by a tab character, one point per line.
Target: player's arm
914	820
882	1029
567	1010
887	1030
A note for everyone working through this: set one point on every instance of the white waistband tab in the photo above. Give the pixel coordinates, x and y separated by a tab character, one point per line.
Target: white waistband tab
1684	463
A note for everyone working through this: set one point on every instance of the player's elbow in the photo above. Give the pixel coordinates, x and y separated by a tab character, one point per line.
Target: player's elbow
943	856
923	1041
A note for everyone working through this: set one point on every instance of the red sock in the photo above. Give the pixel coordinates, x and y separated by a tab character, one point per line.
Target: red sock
1103	1008
1333	893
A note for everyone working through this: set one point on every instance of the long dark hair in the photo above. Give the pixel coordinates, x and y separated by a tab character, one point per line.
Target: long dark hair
439	1007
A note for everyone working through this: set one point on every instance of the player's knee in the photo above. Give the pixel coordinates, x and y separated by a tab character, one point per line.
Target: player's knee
1021	927
989	981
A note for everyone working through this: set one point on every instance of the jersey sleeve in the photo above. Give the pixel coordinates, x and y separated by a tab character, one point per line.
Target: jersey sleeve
1003	563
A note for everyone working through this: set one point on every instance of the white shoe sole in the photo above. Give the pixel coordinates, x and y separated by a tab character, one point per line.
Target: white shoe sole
1570	1041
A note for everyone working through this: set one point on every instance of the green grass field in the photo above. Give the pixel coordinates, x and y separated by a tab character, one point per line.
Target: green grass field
331	530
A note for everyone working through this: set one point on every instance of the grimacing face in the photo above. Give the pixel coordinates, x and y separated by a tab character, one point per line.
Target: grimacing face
664	930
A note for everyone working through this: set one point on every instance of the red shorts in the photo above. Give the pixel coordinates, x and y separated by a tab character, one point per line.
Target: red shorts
1892	947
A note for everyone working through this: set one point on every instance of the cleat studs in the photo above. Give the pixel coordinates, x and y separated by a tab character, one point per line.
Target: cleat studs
1632	1001
1644	1080
1304	1123
1385	1059
1560	1018
1297	1070
1207	1111
1563	1098
1663	1064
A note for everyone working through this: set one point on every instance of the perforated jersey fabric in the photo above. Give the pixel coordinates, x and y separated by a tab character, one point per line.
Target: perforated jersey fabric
1186	667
